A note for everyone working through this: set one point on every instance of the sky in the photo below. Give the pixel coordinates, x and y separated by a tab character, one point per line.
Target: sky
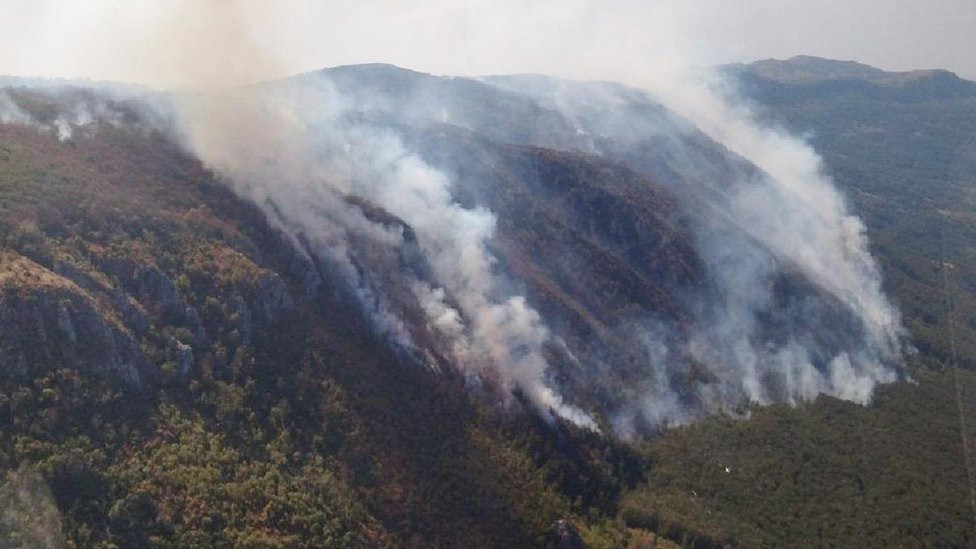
201	43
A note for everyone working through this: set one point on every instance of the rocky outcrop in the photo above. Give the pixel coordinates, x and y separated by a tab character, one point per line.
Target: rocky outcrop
184	358
563	535
270	297
151	285
48	321
131	313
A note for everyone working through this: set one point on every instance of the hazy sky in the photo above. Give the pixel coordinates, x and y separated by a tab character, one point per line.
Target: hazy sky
217	42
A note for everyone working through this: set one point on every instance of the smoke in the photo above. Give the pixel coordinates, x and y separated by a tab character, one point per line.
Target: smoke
291	148
61	108
501	330
763	213
800	220
810	223
28	514
10	113
333	168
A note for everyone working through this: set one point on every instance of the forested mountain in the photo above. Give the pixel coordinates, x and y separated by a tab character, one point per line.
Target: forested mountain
375	307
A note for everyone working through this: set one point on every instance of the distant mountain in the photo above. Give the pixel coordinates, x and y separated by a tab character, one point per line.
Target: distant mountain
807	71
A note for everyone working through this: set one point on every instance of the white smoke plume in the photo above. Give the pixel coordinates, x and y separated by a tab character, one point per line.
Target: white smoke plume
291	148
752	227
76	104
29	516
811	224
797	214
286	145
10	113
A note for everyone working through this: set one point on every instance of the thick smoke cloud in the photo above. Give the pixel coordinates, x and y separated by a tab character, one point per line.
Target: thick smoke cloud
302	147
287	146
796	213
385	222
755	222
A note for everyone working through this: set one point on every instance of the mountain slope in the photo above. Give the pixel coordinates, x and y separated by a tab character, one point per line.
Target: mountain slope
181	375
895	473
692	198
396	322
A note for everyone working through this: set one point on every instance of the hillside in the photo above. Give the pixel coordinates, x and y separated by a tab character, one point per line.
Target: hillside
181	376
462	313
895	473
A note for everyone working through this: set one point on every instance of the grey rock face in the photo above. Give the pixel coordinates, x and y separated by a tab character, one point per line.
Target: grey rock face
563	535
271	298
153	286
184	358
54	327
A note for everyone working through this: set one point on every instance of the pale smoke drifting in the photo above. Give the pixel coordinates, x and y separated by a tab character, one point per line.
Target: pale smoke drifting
10	113
28	514
811	225
793	219
76	106
503	332
797	214
290	149
286	147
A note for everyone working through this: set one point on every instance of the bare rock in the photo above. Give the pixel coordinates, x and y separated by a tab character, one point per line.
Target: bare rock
563	535
48	321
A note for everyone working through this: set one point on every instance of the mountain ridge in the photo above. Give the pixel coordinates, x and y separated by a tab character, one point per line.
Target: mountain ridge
803	72
807	67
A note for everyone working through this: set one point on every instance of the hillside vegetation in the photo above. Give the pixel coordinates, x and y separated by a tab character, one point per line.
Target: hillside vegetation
179	376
